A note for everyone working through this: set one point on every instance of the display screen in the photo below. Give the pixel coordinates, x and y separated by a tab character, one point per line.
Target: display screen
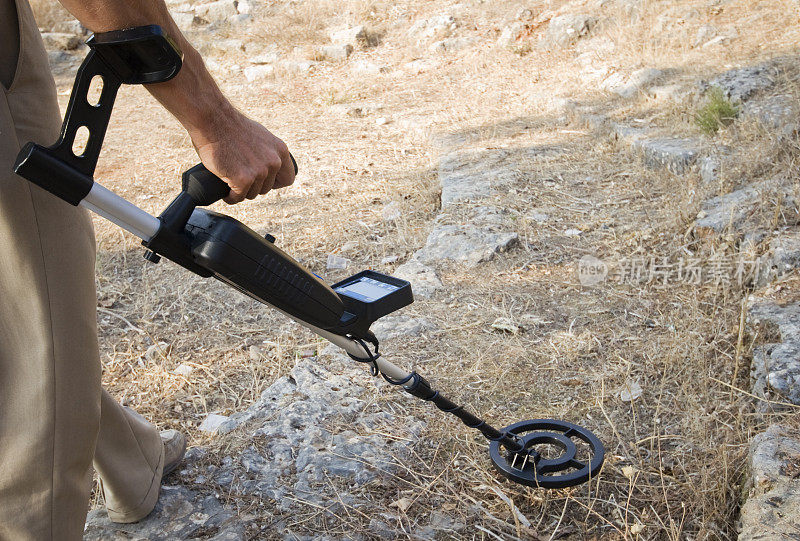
366	289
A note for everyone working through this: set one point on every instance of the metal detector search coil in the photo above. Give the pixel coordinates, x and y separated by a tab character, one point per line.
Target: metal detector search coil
212	244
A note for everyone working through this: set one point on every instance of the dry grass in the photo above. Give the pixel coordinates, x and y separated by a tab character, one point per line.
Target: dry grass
48	13
675	456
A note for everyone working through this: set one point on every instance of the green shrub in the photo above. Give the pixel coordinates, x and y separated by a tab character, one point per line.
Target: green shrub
718	111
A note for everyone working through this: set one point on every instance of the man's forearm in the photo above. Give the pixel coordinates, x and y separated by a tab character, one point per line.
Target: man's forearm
196	110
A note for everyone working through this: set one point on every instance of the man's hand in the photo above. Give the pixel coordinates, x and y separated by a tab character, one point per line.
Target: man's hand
238	150
245	155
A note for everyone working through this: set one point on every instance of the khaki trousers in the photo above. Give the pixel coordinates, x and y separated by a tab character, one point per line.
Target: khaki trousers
54	417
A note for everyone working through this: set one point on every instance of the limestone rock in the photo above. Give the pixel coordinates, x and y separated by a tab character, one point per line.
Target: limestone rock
216	12
628	87
785	250
259	72
61	41
179	514
336	52
304	440
511	34
741	84
674	154
773	509
451	45
777	114
734	211
349	35
776	367
467	244
435	27
467	176
424	280
565	30
400	325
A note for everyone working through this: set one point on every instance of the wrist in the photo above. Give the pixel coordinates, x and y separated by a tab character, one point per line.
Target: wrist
194	98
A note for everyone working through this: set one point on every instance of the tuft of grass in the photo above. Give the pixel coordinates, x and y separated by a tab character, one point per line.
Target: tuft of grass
718	111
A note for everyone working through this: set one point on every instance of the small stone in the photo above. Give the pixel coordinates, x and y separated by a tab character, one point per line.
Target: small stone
268	57
381	121
212	422
366	67
573	232
709	169
505	324
217	11
70	26
511	34
302	66
241	18
564	30
186	21
336	51
353	36
184	370
395	326
704	33
62	41
630	392
255	353
391	212
244	7
336	262
434	27
157	352
451	45
424	280
259	72
389	259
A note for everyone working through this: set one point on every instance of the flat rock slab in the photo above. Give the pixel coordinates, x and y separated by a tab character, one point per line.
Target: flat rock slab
401	326
677	154
308	428
772	510
740	84
776	367
466	244
738	212
470	176
777	114
179	514
424	280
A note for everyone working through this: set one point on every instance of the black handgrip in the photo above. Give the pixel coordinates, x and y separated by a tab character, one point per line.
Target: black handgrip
203	186
206	188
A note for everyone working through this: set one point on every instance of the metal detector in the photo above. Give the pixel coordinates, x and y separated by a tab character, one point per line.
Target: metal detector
211	244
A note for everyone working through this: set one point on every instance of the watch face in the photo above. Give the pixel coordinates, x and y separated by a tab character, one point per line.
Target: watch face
366	289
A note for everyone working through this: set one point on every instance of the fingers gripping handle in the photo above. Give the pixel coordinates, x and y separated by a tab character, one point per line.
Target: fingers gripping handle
206	188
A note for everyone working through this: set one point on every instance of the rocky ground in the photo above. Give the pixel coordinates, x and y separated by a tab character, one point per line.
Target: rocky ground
581	246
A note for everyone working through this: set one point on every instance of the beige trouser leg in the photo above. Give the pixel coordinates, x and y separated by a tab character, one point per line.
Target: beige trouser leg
52	410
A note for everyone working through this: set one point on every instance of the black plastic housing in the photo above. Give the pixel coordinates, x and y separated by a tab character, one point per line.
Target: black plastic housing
241	257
